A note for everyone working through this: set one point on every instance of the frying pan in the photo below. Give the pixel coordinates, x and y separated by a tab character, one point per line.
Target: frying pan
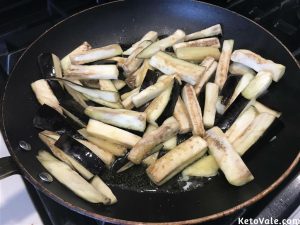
125	22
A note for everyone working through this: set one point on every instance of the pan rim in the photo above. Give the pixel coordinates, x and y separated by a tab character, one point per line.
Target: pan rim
97	216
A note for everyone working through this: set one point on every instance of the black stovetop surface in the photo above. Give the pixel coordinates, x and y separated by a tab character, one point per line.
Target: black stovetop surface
22	21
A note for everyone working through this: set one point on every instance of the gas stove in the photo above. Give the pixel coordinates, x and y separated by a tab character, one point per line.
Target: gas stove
22	21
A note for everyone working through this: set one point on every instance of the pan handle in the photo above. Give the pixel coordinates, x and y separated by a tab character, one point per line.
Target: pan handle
8	167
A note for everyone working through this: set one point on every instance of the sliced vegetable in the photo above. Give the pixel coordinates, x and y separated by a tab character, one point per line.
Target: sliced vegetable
49	65
205	42
107	85
204	167
113	105
96	54
228	88
258	63
240	69
211	97
80	153
78	97
229	161
176	37
241	124
181	115
151	92
258	85
170	144
100	186
254	131
223	66
261	108
119	84
130	93
110	133
45	95
150	159
151	78
118	117
188	72
142	148
90	83
150	36
120	164
197	54
141	73
177	159
207	32
71	179
190	100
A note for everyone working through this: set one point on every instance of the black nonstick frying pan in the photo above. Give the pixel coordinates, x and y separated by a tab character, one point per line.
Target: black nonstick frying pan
125	22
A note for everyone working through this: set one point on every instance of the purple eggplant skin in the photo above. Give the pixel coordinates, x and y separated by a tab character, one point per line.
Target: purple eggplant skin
228	88
232	113
168	111
82	154
150	79
75	108
183	137
119	163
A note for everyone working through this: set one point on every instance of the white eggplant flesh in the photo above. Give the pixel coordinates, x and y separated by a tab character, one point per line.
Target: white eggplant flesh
150	36
176	160
45	95
92	72
182	116
71	179
150	159
78	97
118	117
66	62
158	105
205	42
205	77
192	105
188	72
149	129
258	63
115	149
243	83
100	186
49	138
107	85
261	108
143	147
241	124
120	60
229	161
204	167
223	66
140	74
211	97
152	91
161	45
219	106
258	85
113	105
96	54
197	54
119	84
110	133
254	131
170	144
130	93
207	32
240	69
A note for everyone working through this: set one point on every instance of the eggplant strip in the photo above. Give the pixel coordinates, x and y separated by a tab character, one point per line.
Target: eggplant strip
96	54
78	97
130	93
167	64
211	97
240	69
181	115
206	76
100	186
229	161
140	74
142	148
113	134
258	63
107	85
71	179
66	62
161	45
118	117
150	159
119	84
261	108
150	36
197	54
191	102
113	148
205	42
170	144
152	91
241	124
45	95
223	66
207	32
95	72
176	160
253	132
113	105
